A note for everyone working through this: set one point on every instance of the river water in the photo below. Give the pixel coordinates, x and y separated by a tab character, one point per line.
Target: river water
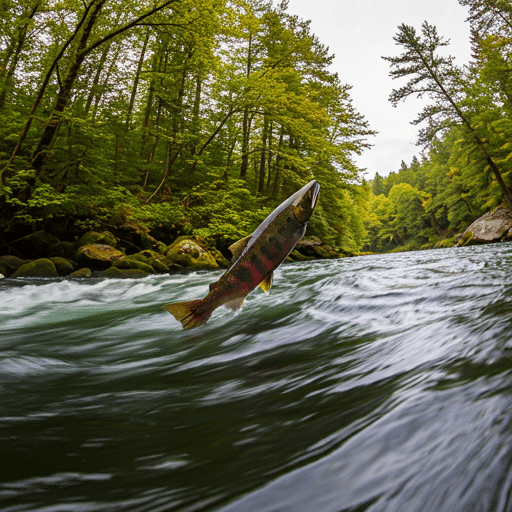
376	383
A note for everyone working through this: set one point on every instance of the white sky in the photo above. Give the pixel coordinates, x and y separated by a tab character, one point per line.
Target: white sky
359	33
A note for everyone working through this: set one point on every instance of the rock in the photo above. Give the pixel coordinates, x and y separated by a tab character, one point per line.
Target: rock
130	263
1	276
41	267
190	254
491	227
94	237
118	273
315	248
9	264
152	258
62	250
297	256
64	266
97	256
35	245
445	243
82	272
465	239
219	258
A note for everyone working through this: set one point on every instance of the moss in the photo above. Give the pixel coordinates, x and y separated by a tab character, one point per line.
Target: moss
297	256
41	267
130	263
118	273
97	256
83	272
64	266
94	237
190	254
466	239
446	243
152	258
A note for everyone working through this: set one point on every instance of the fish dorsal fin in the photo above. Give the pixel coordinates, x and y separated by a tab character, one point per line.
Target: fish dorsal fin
238	247
235	304
266	284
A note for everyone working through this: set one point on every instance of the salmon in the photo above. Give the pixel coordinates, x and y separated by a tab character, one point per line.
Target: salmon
255	259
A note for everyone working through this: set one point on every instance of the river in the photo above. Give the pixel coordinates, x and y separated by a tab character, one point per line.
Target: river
375	383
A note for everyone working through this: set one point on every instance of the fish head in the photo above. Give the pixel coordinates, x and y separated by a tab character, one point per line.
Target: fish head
305	200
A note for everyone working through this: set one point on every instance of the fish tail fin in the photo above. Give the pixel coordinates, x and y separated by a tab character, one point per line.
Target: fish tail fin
191	314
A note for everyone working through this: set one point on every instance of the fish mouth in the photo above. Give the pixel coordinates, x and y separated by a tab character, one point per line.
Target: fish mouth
305	204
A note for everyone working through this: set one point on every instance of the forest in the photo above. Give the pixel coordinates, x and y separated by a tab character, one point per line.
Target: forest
197	118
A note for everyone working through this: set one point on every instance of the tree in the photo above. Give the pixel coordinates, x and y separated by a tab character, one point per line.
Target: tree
436	77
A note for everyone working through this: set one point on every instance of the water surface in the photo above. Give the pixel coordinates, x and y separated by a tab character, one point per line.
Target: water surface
377	383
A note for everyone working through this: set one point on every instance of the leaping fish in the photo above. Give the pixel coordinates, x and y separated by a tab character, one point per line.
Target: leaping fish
254	259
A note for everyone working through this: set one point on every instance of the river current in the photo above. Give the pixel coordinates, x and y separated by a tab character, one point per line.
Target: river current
375	383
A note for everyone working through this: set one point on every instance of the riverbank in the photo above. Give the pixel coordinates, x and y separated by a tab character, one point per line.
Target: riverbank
104	254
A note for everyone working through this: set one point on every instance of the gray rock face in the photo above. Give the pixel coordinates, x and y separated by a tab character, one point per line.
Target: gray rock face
492	226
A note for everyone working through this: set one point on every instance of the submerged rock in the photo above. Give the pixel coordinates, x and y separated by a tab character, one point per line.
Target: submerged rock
97	256
491	227
41	267
190	254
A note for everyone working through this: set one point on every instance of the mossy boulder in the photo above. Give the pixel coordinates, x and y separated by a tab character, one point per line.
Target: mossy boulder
129	263
446	243
9	264
152	258
62	250
297	256
64	266
81	272
36	245
221	260
315	248
117	273
188	253
97	256
42	267
491	227
98	238
466	239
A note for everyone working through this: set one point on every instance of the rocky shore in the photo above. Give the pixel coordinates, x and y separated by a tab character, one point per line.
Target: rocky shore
102	254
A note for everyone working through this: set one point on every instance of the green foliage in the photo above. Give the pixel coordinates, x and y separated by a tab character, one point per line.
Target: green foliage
182	117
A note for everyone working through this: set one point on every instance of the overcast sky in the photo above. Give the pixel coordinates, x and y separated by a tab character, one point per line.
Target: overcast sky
359	33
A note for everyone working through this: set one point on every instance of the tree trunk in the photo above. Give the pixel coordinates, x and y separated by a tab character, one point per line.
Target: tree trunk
261	181
13	53
136	81
39	156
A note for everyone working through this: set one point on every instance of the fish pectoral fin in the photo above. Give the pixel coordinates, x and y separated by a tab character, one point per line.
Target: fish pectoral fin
238	247
191	314
266	284
235	304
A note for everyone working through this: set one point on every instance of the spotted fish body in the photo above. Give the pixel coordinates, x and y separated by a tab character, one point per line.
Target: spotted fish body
255	259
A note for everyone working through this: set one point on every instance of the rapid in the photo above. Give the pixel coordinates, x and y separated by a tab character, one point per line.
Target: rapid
375	383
